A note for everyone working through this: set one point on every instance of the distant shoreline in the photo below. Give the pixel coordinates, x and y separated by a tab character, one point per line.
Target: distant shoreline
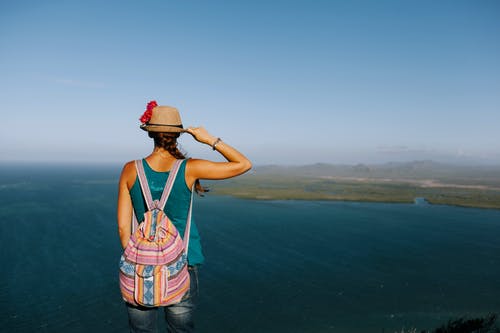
244	196
439	184
279	187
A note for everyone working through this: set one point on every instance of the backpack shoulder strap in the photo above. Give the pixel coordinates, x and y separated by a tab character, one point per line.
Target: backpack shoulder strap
170	183
166	192
145	186
187	232
144	183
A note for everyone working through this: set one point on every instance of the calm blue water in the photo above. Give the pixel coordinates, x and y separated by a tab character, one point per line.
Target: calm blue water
282	266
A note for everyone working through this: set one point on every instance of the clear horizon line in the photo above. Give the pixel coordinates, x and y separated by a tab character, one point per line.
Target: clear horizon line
98	162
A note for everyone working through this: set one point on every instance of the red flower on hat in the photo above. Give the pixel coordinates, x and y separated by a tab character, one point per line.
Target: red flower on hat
149	112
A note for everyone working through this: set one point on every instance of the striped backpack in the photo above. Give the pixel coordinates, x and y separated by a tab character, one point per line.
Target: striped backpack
153	267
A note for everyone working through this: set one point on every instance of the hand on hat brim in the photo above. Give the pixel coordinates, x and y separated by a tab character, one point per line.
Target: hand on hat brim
200	134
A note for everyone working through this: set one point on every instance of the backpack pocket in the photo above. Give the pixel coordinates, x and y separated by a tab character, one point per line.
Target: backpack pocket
151	284
127	280
160	285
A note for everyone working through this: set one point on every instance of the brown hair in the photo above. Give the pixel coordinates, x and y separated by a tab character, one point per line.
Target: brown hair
168	141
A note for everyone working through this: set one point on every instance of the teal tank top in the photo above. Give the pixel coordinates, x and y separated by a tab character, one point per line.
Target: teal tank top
176	208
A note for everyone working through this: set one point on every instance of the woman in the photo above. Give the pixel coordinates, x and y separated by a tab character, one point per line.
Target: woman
164	126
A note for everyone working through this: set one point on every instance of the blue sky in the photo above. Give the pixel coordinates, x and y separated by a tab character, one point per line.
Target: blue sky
286	82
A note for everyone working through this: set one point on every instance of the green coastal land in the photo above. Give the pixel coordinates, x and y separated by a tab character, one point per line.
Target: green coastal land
419	182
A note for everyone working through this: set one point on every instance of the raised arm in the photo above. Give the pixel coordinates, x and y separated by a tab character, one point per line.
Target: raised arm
236	163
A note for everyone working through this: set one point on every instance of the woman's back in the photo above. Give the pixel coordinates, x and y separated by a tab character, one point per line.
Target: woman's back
176	207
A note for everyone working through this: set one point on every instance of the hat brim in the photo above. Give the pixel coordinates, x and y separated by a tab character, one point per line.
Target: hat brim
162	128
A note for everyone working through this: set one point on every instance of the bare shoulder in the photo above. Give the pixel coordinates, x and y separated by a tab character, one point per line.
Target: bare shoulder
128	174
129	167
195	162
198	163
205	169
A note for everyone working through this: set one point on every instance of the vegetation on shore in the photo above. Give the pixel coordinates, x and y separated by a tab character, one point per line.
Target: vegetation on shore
485	324
403	183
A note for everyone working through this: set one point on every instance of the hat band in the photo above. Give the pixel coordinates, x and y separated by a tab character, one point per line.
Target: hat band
151	124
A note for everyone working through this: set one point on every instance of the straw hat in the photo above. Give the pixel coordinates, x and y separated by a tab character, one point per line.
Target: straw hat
164	119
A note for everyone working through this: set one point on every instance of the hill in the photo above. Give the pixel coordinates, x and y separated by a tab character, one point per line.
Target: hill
471	186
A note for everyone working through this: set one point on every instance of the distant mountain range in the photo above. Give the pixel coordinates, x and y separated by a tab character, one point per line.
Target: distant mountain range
415	170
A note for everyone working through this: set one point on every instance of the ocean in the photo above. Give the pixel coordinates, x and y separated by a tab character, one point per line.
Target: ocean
271	266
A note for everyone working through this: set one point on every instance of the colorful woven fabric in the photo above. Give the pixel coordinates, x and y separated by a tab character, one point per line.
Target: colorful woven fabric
153	267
